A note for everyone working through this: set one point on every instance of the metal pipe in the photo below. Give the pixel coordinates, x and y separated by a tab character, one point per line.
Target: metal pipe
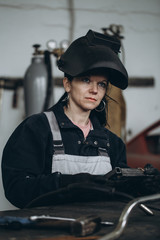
125	215
72	19
2	83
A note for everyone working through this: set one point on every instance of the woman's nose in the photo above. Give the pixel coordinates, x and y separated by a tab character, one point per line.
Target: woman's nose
94	87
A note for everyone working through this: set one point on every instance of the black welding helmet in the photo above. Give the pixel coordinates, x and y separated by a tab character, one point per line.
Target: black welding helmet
94	50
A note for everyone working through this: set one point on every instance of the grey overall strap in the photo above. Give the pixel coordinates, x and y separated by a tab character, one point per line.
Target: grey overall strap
57	139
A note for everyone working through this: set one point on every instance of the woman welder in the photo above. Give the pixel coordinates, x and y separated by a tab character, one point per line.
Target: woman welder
68	143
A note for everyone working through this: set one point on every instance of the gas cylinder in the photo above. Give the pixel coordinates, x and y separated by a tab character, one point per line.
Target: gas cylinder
35	85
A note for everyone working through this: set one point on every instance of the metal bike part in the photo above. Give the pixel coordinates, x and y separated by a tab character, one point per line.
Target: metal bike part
125	215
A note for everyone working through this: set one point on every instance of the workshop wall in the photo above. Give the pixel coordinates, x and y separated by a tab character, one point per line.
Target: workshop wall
26	22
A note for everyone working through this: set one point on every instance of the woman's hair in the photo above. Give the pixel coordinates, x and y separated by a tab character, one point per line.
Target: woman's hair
101	112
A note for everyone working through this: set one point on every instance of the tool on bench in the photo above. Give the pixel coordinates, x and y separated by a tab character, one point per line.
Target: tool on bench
123	220
82	226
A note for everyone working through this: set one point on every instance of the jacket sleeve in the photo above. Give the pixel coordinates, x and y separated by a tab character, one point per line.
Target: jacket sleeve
117	151
26	162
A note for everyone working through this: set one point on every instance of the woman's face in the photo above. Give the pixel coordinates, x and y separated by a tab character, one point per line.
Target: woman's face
86	93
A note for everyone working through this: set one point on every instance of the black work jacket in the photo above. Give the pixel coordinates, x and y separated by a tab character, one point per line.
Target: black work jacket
27	156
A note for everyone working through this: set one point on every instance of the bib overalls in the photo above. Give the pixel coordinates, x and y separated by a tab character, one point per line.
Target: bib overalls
73	164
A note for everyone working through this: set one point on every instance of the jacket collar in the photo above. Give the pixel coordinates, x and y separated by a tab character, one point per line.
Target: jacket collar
65	122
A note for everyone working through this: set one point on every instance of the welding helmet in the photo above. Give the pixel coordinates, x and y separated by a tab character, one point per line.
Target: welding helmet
94	50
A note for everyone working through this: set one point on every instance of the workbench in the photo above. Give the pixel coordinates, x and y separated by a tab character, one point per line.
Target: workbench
140	225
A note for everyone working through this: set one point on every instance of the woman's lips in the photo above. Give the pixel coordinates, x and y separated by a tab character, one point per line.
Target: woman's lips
91	99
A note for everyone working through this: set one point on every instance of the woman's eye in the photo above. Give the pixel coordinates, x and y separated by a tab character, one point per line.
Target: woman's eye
86	80
102	84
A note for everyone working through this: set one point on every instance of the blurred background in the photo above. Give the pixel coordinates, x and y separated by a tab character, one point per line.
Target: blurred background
24	23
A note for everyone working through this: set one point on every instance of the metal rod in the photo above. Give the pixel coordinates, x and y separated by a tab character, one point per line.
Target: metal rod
146	209
125	215
48	217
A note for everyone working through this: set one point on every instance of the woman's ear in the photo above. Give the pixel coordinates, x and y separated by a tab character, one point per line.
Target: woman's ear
66	84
